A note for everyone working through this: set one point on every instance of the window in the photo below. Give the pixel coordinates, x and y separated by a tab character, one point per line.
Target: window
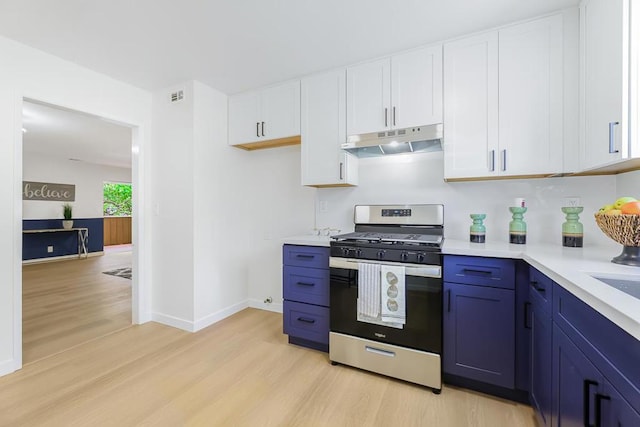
116	199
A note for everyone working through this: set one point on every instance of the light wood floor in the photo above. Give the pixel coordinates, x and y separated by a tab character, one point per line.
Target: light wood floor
238	372
67	303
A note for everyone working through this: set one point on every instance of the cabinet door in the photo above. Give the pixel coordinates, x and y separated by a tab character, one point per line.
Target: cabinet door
244	118
323	130
541	372
605	44
416	88
615	410
471	107
369	97
479	333
575	383
281	111
530	98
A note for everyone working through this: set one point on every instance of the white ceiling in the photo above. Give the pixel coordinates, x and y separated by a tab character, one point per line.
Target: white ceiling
63	134
235	45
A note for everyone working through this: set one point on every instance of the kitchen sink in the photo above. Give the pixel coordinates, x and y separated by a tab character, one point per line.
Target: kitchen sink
629	284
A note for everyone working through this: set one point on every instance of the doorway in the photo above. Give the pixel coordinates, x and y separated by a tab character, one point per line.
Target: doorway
70	297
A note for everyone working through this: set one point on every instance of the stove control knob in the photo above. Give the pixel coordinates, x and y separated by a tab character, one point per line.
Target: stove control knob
358	253
345	251
404	256
421	257
380	254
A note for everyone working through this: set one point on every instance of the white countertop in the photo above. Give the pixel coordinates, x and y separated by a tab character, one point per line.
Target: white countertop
569	267
307	240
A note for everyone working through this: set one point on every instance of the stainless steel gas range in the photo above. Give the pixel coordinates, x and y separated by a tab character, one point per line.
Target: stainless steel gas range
386	293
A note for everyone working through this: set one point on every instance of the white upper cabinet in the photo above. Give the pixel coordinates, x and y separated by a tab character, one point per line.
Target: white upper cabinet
471	106
402	91
323	126
605	61
530	98
503	111
416	88
265	118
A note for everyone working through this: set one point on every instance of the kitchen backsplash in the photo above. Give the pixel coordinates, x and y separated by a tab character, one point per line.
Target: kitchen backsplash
419	179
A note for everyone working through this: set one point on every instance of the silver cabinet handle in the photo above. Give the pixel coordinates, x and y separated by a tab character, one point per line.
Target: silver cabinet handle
379	351
341	169
612	137
386	115
492	161
394	116
504	160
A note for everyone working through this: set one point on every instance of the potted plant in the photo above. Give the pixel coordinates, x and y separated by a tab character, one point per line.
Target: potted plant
67	212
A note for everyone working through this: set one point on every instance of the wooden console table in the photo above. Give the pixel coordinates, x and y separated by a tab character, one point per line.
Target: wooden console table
83	237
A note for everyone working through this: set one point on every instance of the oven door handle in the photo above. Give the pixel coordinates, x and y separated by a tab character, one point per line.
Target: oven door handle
434	271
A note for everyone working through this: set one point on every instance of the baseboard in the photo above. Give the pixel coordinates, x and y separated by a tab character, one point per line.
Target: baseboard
7	367
189	326
275	307
60	258
219	315
172	321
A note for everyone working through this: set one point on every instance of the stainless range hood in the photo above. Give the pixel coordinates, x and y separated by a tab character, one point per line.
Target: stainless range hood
410	140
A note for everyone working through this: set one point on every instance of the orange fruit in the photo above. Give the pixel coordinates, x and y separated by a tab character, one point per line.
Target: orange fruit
632	208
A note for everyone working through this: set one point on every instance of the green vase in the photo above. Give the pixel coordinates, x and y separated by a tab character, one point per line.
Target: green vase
477	230
572	232
517	227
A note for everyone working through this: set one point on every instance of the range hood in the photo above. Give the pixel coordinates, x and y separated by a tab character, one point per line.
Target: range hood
410	140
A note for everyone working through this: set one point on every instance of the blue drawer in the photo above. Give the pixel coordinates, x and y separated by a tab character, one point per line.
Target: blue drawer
493	272
540	290
306	321
310	285
305	256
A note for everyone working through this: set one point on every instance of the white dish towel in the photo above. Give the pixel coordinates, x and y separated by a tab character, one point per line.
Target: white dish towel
392	294
368	290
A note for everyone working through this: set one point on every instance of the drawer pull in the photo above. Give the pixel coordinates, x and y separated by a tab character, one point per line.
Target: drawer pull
306	284
474	271
537	288
304	256
380	351
586	385
527	310
598	411
306	320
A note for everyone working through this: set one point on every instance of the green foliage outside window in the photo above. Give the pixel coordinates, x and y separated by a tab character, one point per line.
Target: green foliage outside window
117	199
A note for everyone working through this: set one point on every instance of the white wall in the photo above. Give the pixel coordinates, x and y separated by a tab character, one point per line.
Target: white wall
278	207
628	184
418	178
88	178
28	73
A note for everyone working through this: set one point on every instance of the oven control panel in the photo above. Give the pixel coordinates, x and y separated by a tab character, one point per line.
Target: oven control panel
396	212
409	256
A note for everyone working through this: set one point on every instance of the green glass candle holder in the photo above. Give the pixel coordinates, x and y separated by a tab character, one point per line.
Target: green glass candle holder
517	227
572	230
477	230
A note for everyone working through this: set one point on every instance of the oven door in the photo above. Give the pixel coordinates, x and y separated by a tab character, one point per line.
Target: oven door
423	290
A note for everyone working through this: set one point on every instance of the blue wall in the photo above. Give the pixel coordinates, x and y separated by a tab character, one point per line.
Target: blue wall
34	246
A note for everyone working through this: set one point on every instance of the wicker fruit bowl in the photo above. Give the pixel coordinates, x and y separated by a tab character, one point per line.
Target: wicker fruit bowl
624	229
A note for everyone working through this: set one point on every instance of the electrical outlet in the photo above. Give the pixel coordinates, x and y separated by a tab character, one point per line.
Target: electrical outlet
323	206
49	249
268	300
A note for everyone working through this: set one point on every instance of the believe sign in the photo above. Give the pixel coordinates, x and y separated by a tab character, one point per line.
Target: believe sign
48	191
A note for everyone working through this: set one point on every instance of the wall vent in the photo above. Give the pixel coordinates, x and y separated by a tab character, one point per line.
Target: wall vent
177	96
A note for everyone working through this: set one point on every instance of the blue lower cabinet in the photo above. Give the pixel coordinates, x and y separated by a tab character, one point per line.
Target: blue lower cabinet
541	363
305	288
614	409
306	321
576	382
479	333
